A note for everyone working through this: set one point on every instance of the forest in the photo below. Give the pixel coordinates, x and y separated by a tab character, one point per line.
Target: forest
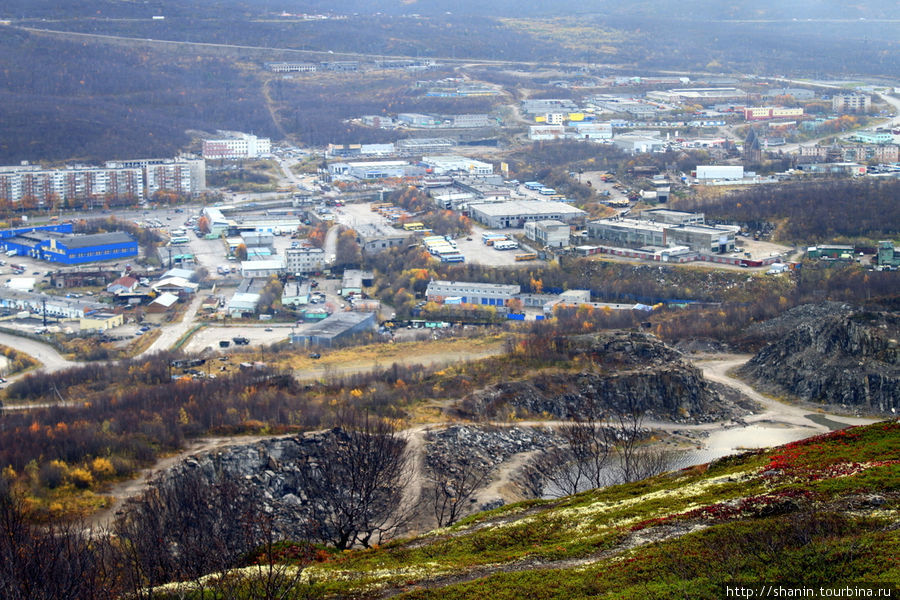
69	100
812	211
610	34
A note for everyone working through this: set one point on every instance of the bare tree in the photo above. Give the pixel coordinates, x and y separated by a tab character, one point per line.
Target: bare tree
602	449
355	489
51	561
580	463
635	459
454	478
273	574
186	527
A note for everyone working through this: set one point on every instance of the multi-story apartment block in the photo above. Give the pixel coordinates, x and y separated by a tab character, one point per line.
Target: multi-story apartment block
851	103
236	145
302	261
46	186
183	175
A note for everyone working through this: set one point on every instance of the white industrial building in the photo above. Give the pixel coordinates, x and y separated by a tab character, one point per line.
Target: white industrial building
668	231
673	217
385	169
706	239
550	233
546	132
53	306
698	95
516	213
453	163
469	292
241	303
628	232
639	143
262	268
218	222
235	144
592	131
721	172
296	293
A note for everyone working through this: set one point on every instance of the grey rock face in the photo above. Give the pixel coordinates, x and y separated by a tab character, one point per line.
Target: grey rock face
848	358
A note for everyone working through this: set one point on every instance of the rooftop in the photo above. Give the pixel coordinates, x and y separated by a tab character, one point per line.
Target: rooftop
523	207
336	324
97	239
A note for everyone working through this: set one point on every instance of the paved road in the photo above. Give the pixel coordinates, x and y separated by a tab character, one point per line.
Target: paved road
173	332
47	354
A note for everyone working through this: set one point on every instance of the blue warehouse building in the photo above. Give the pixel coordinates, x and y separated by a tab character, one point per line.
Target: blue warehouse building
57	244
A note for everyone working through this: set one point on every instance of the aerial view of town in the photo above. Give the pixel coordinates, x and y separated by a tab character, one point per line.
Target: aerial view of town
433	299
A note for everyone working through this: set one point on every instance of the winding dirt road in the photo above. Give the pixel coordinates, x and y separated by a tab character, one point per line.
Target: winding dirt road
788	421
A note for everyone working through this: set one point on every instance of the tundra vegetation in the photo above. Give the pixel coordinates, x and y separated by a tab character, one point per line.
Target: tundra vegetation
766	514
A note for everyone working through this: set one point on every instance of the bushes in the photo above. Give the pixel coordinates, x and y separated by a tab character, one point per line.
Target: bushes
81	478
53	474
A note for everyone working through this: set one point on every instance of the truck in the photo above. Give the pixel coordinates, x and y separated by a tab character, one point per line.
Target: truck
12	252
240	341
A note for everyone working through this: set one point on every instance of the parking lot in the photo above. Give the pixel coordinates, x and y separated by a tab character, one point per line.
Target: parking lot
259	335
355	215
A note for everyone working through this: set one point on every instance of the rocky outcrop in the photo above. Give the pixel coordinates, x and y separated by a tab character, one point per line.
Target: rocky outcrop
847	357
629	370
271	472
487	446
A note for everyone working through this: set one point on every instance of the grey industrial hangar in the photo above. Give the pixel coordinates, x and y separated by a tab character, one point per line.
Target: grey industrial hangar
335	328
706	239
502	215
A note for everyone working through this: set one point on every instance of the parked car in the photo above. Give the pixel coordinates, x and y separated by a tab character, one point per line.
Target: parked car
315	355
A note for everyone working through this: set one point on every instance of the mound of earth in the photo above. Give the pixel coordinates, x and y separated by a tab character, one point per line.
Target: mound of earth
629	371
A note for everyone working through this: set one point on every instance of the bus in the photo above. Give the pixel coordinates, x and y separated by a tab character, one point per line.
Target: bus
413	226
526	256
547	191
379	205
533	185
178	240
506	245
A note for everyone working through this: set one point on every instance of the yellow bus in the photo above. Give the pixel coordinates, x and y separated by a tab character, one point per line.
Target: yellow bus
413	226
526	256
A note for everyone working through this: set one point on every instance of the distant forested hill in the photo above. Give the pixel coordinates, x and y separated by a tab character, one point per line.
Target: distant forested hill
61	99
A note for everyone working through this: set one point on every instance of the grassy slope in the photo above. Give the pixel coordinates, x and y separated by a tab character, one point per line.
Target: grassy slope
820	511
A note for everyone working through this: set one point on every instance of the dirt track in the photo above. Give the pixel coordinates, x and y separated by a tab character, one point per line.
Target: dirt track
786	419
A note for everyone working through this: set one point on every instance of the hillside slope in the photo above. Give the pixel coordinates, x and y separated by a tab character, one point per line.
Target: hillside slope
821	512
849	358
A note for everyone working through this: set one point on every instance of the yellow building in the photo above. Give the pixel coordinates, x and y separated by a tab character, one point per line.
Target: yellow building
101	321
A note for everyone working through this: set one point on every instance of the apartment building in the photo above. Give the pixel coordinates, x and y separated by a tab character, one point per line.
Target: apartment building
236	145
303	261
844	103
70	184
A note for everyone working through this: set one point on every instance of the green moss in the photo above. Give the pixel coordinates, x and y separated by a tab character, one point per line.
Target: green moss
794	513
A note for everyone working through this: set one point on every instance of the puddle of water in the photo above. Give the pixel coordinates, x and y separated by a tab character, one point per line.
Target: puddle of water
831	424
752	437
